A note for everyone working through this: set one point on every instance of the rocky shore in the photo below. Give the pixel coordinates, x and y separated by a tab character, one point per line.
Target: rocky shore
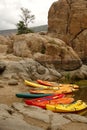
44	56
19	116
15	115
23	58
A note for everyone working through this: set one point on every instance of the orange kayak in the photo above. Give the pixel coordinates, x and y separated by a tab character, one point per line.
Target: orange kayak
53	84
59	91
65	100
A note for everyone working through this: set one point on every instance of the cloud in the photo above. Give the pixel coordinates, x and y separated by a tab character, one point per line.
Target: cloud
10	11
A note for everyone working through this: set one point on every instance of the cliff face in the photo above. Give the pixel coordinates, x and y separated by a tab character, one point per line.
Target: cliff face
67	20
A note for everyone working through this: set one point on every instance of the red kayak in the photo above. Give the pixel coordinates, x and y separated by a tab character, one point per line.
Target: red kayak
42	82
41	102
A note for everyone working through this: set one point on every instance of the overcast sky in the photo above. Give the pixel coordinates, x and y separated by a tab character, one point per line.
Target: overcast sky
10	12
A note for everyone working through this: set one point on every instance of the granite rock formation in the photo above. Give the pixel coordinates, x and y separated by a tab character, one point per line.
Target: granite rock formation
34	56
67	20
20	116
45	50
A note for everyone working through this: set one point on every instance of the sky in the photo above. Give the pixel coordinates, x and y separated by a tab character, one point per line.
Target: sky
10	12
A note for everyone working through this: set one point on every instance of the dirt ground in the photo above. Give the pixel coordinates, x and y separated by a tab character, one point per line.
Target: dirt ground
8	92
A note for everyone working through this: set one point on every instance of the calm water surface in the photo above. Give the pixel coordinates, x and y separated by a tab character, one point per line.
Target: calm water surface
82	95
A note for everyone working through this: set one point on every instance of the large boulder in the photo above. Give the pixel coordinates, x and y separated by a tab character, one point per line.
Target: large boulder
28	69
67	20
4	41
46	50
11	120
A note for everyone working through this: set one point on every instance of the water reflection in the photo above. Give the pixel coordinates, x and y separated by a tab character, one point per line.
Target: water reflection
81	94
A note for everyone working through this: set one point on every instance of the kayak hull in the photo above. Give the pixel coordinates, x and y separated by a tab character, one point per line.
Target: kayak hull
65	90
60	86
29	95
42	102
47	83
42	82
73	107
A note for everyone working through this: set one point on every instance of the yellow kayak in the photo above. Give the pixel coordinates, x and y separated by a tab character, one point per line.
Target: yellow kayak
32	84
73	107
60	86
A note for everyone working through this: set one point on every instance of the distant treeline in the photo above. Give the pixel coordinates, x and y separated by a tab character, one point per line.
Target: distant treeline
14	31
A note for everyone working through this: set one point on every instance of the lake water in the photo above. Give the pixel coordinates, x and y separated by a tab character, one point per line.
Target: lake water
81	94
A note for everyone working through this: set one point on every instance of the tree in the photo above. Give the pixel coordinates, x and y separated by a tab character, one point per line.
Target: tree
21	27
26	18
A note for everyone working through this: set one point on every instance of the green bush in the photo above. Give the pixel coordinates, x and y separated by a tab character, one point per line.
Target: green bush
22	29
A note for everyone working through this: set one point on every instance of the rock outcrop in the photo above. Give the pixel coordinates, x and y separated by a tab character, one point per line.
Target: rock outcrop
67	20
20	116
45	50
29	69
34	56
79	74
4	41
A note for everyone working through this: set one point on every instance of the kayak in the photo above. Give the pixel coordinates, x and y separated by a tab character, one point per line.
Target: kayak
47	83
64	100
53	99
42	82
44	101
35	84
61	90
54	96
73	107
60	86
29	95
